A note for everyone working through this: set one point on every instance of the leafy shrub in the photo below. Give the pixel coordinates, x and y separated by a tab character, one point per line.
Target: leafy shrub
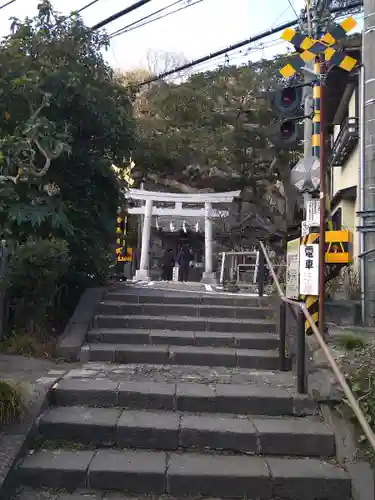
350	341
11	402
34	279
360	373
22	344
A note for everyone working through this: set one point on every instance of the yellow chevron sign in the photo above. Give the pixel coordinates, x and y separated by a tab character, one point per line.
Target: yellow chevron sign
338	246
311	48
120	257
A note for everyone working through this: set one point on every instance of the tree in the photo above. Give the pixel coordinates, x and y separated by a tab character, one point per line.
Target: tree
159	62
211	133
66	120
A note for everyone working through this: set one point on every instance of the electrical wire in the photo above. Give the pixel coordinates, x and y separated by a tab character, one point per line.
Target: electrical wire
86	6
280	16
160	17
124	30
145	17
292	7
6	4
238	45
239	56
221	52
119	14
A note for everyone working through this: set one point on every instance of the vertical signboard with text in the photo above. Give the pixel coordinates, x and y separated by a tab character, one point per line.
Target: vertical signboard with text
292	269
309	269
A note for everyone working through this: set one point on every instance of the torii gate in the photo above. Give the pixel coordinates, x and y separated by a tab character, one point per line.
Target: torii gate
206	211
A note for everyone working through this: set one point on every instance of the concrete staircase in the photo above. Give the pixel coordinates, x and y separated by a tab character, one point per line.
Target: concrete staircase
167	434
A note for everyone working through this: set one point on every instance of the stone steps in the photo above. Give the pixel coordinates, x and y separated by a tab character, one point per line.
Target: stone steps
133	419
173	431
193	310
259	341
85	494
184	323
189	397
179	474
171	298
181	355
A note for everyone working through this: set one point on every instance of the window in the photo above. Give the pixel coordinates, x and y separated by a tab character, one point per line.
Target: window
337	220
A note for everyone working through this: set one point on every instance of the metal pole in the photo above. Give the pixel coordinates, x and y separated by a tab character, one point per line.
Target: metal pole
301	354
261	274
361	189
282	336
369	167
323	198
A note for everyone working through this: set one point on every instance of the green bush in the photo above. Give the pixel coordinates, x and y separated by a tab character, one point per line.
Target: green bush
34	278
11	402
360	373
350	341
23	344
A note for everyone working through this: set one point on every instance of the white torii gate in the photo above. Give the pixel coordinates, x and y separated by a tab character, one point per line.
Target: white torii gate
207	200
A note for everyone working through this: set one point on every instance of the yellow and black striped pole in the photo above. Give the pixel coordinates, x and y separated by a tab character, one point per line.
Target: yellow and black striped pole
312	301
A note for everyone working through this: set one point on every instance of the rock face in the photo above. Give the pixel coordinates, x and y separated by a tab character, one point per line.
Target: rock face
180	395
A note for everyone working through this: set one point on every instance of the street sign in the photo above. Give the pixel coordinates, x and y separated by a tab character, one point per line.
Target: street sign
309	269
313	211
338	246
312	48
292	269
121	256
305	227
305	174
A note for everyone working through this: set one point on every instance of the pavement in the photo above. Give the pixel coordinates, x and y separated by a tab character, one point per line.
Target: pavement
34	378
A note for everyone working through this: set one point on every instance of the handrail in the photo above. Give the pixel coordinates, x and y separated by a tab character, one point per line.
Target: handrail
335	368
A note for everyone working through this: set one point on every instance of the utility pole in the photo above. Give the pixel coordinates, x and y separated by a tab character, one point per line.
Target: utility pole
368	214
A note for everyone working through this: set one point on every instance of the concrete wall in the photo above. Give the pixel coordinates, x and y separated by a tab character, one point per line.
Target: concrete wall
348	176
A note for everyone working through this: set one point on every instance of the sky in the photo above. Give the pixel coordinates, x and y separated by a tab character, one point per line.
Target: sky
200	29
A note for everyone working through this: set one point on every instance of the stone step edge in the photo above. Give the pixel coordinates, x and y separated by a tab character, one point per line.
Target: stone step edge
180	396
206	350
194	299
222	307
187	319
180	355
187	473
178	430
149	336
209	333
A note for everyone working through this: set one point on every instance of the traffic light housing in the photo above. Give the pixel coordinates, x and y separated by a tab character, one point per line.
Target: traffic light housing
286	102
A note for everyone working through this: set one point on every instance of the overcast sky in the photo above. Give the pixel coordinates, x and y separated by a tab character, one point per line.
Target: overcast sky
196	31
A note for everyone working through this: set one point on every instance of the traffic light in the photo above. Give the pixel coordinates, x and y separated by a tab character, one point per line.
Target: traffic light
285	105
287	100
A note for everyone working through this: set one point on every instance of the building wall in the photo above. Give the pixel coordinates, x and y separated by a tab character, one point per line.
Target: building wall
348	176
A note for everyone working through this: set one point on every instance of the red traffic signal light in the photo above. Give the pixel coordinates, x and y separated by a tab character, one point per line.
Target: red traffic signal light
287	100
288	129
285	133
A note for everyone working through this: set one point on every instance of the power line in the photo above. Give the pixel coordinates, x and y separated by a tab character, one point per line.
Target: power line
117	32
221	52
123	12
230	48
292	7
85	7
6	4
280	16
124	30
